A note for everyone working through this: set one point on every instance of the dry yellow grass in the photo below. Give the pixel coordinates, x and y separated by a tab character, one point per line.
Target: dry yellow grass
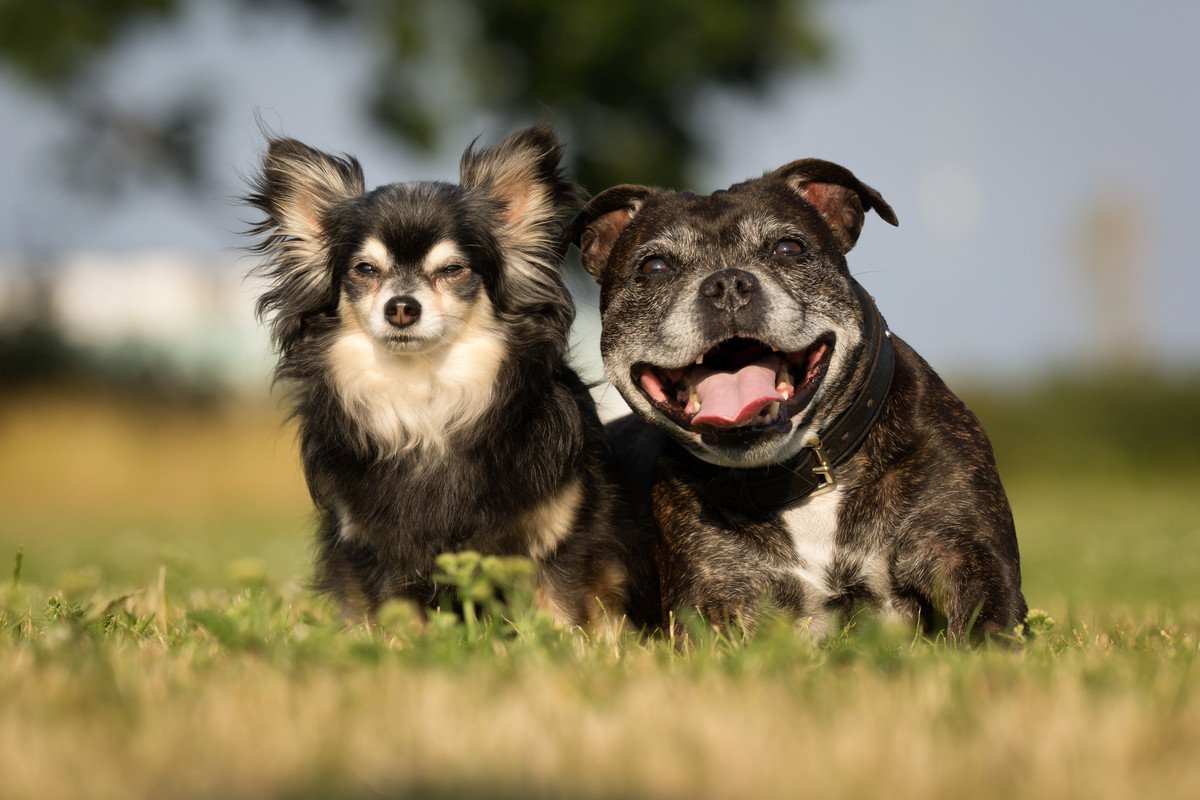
74	453
1100	716
217	677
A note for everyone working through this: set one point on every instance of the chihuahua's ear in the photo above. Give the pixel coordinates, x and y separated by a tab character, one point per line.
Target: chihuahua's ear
524	176
532	200
299	185
596	230
295	191
841	199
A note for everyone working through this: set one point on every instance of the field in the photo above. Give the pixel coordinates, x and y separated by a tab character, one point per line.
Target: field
156	639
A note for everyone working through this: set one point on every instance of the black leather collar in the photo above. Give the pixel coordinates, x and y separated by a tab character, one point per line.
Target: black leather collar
762	490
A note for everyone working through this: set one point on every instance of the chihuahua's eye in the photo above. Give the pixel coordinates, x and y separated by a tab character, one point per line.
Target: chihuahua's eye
363	268
654	266
788	247
451	271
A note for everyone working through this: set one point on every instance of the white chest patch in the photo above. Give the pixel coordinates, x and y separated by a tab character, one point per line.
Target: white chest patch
813	526
402	401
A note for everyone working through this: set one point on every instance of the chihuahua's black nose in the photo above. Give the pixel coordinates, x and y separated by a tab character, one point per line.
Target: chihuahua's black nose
402	311
729	289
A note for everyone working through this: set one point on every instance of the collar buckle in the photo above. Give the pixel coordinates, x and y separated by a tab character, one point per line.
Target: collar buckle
824	468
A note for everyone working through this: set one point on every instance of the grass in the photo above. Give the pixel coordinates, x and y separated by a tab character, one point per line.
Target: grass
156	639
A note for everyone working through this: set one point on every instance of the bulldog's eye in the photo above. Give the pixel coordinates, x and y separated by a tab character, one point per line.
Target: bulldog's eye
788	247
365	269
451	271
654	266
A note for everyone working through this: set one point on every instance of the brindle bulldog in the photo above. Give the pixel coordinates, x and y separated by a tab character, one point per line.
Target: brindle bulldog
789	446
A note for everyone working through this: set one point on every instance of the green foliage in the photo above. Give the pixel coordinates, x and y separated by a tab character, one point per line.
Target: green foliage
621	76
57	45
1038	622
1141	424
289	627
490	585
52	43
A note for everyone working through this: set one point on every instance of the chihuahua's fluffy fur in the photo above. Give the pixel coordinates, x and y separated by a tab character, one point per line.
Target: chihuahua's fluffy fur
423	327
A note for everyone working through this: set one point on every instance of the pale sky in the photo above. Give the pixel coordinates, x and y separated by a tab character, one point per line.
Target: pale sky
993	129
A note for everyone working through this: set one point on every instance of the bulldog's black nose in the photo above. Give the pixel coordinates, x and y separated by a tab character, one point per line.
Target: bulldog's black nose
402	311
729	289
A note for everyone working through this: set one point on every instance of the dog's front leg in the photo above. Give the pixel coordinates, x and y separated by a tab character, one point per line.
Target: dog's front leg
963	578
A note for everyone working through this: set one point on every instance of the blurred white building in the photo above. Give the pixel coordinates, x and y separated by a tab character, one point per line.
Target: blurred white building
197	317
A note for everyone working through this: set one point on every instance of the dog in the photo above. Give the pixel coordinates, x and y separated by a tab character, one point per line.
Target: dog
423	328
791	448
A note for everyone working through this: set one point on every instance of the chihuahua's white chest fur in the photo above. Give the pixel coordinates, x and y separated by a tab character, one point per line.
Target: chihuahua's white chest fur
404	401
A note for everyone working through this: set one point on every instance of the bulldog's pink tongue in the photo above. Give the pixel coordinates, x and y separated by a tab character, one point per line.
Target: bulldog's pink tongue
732	398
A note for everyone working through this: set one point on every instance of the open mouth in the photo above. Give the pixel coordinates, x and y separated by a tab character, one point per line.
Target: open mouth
741	384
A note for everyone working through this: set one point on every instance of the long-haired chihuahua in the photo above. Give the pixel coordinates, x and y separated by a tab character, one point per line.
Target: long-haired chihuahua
423	328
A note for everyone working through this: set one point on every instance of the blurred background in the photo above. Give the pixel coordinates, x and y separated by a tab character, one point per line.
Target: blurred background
1040	157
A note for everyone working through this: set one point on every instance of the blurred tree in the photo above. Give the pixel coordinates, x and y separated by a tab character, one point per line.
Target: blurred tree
55	46
621	77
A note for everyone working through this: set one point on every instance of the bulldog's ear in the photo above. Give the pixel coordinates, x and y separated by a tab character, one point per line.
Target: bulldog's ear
841	199
602	221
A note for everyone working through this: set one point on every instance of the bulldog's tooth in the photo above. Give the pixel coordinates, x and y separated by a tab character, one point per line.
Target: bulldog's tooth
700	359
773	410
693	403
